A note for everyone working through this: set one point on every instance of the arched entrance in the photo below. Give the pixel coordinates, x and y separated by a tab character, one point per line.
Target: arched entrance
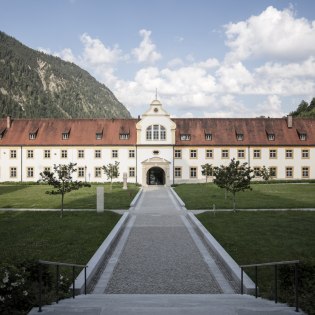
155	176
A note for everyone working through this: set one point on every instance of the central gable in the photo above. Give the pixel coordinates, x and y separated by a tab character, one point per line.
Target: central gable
156	127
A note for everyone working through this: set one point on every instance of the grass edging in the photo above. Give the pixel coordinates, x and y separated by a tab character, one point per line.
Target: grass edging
96	260
229	262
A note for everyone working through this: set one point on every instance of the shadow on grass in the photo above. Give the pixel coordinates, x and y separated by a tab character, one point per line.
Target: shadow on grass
7	189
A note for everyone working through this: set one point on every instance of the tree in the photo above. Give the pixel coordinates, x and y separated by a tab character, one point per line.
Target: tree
207	170
264	173
234	178
111	171
61	180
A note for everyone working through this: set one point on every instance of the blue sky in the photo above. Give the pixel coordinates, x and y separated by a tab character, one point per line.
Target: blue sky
225	58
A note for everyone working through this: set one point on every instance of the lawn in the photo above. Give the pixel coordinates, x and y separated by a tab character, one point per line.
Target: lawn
268	196
44	235
258	237
34	196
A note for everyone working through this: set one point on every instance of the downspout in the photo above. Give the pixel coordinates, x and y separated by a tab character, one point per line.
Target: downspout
21	164
136	164
248	155
173	165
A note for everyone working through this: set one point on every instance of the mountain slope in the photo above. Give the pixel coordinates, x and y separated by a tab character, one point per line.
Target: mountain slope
305	109
34	84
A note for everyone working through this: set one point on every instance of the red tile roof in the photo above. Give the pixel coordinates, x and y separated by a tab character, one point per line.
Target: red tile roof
223	130
82	131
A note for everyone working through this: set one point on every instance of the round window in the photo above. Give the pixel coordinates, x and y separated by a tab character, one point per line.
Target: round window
156	110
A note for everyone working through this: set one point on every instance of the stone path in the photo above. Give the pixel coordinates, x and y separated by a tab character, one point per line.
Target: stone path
159	253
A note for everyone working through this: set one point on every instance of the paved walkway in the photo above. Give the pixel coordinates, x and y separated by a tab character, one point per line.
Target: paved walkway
160	253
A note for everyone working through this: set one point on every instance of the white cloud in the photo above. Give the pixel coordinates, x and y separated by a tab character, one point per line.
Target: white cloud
271	107
67	55
209	63
44	50
175	63
146	52
96	53
273	33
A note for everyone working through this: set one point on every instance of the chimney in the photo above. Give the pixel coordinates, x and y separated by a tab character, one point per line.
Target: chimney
9	122
290	121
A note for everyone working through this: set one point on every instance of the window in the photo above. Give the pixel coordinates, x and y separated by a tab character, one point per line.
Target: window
81	172
289	172
30	154
272	154
241	154
124	136
13	172
239	137
98	172
305	172
193	154
289	154
80	154
257	171
13	154
114	154
32	135
64	154
99	135
132	153
208	136
193	172
305	154
132	172
47	169
302	136
209	153
97	154
178	154
156	132
178	172
271	136
156	152
257	154
65	135
273	172
225	154
47	154
185	137
30	172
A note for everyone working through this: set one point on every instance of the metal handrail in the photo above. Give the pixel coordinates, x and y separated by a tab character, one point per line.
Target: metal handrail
275	264
58	264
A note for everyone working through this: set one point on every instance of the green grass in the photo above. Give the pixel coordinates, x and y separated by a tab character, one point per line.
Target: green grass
34	196
258	237
44	235
269	196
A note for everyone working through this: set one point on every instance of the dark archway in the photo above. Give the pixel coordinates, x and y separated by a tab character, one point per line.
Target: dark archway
156	176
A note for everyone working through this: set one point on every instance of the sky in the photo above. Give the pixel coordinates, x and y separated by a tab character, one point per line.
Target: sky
203	58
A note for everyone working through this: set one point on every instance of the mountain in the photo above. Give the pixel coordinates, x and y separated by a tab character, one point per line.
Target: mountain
305	109
34	84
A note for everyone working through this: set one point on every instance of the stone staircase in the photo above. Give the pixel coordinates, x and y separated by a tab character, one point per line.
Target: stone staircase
165	304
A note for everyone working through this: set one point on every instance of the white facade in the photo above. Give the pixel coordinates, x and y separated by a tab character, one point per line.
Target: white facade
155	157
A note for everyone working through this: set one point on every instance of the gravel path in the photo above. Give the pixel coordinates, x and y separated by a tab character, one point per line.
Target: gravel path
160	256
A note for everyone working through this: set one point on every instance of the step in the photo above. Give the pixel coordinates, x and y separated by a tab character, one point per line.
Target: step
166	304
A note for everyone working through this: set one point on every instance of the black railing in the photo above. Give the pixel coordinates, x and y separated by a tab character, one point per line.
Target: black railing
58	264
275	264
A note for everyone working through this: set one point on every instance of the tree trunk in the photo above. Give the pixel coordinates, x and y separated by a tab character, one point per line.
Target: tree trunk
234	202
111	184
62	198
225	194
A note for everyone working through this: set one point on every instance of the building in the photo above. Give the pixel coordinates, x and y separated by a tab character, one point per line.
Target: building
156	149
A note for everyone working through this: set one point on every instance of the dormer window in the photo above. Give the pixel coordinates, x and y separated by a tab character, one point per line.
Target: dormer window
239	137
124	136
208	136
270	135
302	135
66	134
185	137
32	136
99	135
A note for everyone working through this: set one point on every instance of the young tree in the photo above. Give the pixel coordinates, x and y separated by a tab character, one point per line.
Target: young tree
264	173
61	180
234	178
207	170
111	171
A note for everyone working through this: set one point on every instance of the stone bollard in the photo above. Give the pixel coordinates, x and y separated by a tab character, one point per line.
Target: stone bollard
125	181
100	199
